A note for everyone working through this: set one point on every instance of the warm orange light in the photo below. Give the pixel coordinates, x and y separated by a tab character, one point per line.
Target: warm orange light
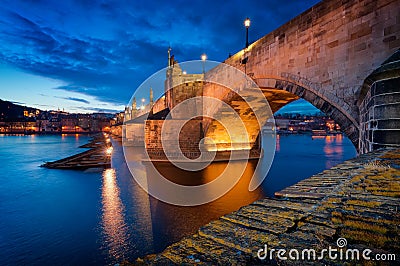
278	144
113	224
109	151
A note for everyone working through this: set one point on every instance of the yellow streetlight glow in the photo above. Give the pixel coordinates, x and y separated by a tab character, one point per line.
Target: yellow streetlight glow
247	22
247	25
203	57
109	150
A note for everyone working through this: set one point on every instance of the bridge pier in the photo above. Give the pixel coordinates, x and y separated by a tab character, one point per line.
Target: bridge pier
379	105
325	54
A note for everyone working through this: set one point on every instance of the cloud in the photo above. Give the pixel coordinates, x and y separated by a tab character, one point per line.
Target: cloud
43	105
97	110
19	103
107	50
75	99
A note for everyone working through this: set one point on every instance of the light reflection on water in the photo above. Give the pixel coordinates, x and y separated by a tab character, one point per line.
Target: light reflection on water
170	223
300	156
333	148
113	222
297	157
72	217
278	143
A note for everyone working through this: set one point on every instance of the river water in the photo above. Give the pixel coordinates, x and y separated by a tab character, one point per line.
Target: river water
66	217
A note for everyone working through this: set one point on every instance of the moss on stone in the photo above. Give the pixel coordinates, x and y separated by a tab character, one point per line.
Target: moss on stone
370	204
357	200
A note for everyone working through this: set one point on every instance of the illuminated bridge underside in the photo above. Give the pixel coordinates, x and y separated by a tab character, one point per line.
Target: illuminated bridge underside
219	134
324	56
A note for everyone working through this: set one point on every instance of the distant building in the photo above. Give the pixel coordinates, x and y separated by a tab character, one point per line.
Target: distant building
282	123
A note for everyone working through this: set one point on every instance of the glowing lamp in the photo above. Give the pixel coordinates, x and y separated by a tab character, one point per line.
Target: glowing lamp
247	22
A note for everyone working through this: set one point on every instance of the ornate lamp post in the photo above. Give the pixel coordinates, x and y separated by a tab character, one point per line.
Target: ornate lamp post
143	100
203	58
247	25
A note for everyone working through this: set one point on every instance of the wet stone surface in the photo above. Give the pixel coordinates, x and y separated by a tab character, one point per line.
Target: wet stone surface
357	200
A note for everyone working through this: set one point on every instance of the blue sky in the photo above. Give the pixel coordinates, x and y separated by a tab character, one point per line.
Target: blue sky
300	106
87	56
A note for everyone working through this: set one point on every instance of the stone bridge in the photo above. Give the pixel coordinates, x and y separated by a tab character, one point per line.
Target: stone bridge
342	56
325	56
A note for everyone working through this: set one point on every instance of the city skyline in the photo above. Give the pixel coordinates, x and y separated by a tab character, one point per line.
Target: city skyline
126	141
91	57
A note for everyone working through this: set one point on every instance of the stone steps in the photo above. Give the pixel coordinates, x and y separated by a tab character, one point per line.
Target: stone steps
302	220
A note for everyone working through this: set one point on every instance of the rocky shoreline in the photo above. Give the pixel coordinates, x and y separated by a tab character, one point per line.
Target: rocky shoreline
98	156
357	200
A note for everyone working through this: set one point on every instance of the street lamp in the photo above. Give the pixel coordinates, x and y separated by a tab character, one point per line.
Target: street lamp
247	25
109	151
203	58
143	100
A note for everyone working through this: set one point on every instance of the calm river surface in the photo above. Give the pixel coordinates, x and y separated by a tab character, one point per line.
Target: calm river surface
64	217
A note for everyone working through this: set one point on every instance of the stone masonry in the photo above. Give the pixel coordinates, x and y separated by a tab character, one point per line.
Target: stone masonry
357	200
380	105
325	54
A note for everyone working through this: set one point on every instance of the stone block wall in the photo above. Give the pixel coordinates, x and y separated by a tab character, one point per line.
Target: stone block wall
328	50
182	92
133	134
186	137
159	105
380	107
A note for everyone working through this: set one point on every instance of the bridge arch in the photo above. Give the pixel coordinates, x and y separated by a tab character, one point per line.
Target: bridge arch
311	92
335	46
280	91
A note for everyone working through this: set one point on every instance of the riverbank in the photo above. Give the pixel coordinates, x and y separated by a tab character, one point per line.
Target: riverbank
357	201
6	133
102	217
98	155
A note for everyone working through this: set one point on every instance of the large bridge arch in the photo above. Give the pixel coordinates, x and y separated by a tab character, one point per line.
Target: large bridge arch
325	54
279	91
310	92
